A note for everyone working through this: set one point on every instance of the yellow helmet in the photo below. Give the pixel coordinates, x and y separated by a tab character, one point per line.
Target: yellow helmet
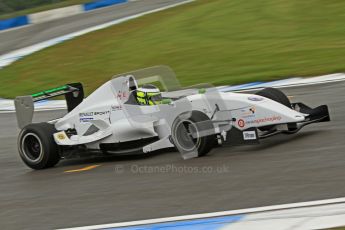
148	95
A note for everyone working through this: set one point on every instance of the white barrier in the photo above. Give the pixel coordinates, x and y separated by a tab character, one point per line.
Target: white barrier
50	15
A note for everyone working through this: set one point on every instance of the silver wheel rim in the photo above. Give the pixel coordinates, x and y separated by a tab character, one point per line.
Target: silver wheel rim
196	142
32	154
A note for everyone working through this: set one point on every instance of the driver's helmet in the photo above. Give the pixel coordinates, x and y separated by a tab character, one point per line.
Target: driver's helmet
148	95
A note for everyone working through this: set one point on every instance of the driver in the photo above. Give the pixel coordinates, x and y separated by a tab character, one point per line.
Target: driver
148	95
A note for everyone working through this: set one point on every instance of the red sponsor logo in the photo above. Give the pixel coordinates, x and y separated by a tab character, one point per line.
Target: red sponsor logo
241	123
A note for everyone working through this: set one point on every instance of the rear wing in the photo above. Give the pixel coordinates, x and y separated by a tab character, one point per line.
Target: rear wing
24	105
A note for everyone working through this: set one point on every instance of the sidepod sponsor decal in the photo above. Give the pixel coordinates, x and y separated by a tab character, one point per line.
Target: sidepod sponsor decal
89	116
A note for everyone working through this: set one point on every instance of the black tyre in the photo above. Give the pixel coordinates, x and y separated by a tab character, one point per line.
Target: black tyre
275	95
182	141
37	147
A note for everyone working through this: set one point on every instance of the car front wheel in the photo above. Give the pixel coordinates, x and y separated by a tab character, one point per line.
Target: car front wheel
182	131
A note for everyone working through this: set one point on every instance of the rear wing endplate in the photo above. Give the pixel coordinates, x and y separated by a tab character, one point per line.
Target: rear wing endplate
24	105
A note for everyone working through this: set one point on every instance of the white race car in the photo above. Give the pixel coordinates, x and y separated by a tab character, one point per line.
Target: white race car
122	118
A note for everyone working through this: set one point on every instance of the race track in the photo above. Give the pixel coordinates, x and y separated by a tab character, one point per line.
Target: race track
284	169
33	34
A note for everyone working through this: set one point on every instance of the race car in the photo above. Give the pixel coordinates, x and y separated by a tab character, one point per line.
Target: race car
147	110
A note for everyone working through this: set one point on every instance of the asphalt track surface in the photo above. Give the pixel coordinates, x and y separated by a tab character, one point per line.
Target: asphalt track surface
284	169
23	37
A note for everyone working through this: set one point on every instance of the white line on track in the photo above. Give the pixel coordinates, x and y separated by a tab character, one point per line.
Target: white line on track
214	214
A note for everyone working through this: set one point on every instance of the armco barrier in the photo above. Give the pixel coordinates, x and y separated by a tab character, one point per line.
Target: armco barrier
102	3
14	22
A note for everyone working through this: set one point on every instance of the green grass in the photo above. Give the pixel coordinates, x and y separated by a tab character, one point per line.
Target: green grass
42	8
216	41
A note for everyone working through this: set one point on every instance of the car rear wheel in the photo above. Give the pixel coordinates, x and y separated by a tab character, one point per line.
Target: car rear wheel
37	147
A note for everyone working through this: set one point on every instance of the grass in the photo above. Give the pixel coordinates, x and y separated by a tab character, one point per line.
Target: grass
216	41
42	8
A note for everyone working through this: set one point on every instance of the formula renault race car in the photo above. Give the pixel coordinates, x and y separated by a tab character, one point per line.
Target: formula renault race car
122	118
